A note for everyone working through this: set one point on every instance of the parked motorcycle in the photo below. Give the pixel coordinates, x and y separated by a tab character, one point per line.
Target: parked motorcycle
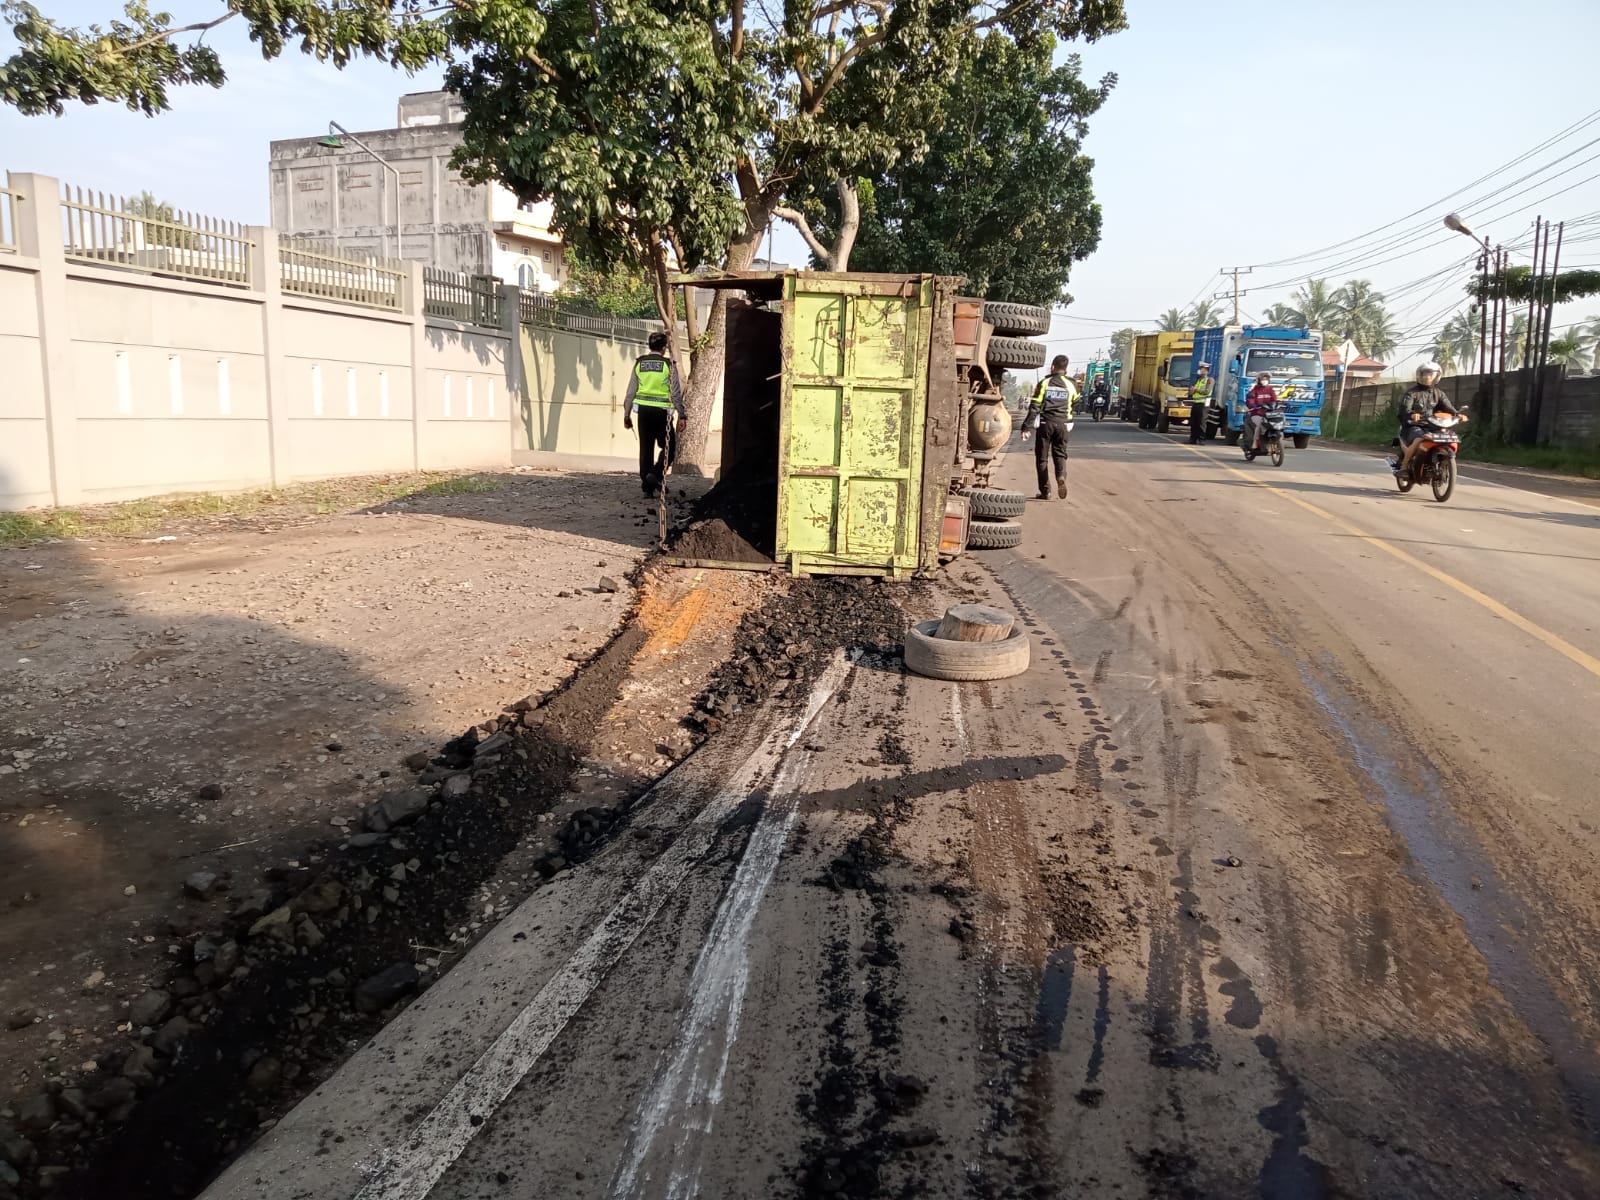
1273	421
1434	463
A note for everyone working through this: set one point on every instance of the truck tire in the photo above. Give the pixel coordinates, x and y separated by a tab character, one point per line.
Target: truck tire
1302	440
996	503
1020	353
938	658
994	535
1019	320
1163	423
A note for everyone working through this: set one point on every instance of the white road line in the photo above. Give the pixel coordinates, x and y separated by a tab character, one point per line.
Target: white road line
684	1101
410	1171
961	725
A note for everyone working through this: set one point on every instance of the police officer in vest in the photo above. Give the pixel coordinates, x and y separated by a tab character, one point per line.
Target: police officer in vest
1199	400
655	393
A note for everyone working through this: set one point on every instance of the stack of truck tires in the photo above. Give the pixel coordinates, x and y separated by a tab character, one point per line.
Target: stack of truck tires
997	512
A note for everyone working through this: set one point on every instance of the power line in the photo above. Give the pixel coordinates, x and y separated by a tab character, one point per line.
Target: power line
1433	205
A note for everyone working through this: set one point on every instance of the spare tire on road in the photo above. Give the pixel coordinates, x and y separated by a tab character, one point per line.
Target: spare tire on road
938	658
991	503
1024	320
994	535
1020	353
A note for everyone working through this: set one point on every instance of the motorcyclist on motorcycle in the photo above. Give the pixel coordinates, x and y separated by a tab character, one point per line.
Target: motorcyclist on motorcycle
1420	401
1099	394
1256	401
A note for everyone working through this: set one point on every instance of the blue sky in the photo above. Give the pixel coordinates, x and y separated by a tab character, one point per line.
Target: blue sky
1238	133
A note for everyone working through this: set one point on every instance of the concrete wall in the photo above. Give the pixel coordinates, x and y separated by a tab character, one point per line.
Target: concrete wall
119	384
1565	415
571	403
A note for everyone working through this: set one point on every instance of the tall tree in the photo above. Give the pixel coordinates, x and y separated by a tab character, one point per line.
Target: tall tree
1592	329
1365	317
1517	341
1122	344
1573	349
1205	315
1002	194
1174	320
1282	315
1315	307
1456	344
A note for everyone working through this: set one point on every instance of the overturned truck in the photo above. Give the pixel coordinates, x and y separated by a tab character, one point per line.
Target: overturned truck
861	418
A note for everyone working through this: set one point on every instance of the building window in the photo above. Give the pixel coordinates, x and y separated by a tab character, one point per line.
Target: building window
526	205
503	246
527	280
547	256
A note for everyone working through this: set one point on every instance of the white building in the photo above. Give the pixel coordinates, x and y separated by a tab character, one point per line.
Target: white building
412	204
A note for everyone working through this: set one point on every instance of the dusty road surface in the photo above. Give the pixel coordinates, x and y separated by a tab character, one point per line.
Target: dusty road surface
1273	877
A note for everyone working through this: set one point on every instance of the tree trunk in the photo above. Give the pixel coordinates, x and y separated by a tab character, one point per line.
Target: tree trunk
700	395
663	293
849	225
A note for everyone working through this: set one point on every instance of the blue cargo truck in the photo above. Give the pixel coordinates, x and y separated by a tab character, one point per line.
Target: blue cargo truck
1238	353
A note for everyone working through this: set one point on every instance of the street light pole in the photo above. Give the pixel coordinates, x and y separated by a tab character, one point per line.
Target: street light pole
399	237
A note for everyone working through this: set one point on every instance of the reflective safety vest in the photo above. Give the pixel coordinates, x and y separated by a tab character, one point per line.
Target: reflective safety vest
1201	389
654	378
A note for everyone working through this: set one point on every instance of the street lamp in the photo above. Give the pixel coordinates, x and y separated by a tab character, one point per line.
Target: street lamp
335	140
1490	329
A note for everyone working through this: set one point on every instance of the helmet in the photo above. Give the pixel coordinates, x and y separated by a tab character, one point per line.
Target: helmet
1428	368
1205	366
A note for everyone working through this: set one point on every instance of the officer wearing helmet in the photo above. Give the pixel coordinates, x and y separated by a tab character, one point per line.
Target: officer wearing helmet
656	395
1200	392
1420	401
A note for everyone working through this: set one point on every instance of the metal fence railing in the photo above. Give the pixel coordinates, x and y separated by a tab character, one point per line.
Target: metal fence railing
546	312
8	221
143	234
316	270
473	299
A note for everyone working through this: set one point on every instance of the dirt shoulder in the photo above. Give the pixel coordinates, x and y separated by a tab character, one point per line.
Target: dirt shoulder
194	723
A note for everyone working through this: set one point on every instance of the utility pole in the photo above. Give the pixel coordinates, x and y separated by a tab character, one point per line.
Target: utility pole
1235	272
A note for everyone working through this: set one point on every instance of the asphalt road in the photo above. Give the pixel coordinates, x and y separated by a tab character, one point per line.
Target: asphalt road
1273	877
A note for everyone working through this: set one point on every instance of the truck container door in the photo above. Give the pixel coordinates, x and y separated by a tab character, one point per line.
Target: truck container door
851	433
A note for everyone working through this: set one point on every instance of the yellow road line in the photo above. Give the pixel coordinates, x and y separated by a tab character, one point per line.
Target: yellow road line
1557	643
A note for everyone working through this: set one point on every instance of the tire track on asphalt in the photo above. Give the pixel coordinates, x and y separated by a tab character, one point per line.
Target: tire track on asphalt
410	1170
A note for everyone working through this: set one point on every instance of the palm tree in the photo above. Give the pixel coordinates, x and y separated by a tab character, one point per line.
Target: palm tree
1456	343
1365	317
1174	320
1281	314
1122	344
1314	306
1205	315
1572	350
1592	328
1517	341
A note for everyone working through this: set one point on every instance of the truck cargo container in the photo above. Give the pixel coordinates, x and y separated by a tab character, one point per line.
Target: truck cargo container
1162	372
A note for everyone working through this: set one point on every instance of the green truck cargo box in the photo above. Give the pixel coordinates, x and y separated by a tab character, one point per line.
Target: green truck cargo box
839	418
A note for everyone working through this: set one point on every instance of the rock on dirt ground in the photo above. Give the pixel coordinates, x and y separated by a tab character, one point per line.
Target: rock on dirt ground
190	730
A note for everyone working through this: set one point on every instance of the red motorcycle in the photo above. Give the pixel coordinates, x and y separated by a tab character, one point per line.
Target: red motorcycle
1434	461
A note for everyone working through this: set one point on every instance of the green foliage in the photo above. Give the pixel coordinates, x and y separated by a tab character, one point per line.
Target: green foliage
1456	345
1520	285
1001	193
1205	315
135	60
1174	320
1573	349
1313	307
1363	315
1122	344
614	291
